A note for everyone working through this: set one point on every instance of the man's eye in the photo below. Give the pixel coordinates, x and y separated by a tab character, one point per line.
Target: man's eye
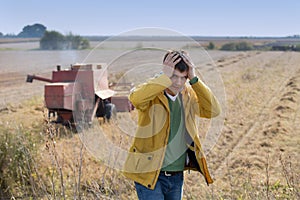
178	77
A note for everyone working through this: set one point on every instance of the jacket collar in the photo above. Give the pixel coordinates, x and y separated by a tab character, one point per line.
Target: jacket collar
164	99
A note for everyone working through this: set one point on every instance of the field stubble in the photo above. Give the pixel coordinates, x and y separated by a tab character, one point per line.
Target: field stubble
256	155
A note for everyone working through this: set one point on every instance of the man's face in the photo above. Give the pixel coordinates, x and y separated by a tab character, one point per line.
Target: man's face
178	80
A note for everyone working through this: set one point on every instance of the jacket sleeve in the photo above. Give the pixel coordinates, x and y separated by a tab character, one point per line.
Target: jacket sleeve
144	93
206	102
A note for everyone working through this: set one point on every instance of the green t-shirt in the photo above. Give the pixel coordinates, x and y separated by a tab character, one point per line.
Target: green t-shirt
175	155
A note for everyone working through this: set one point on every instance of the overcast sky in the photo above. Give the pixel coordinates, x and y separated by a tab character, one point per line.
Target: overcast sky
188	17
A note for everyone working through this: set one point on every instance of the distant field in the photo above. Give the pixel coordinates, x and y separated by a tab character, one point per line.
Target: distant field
18	40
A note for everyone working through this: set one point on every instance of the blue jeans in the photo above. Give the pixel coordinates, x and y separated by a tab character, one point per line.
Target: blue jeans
166	188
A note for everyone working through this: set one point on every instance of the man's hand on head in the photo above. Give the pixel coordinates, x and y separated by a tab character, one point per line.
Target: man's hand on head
169	63
186	58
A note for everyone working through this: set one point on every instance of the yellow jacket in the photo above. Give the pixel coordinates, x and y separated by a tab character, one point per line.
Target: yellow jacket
146	155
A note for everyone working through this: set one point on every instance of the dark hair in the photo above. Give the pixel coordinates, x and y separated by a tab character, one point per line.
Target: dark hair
181	66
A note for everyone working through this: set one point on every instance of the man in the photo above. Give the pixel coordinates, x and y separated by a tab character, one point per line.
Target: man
166	141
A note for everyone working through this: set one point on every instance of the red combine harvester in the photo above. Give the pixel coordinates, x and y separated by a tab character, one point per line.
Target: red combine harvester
79	94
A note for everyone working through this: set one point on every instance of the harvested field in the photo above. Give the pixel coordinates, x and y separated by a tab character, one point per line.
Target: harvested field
256	154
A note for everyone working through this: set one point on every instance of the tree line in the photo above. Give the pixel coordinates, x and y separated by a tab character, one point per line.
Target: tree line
51	40
246	46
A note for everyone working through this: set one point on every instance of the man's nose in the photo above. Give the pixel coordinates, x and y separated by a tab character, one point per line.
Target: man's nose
179	80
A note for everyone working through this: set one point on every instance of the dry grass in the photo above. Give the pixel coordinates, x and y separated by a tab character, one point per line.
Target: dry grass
255	157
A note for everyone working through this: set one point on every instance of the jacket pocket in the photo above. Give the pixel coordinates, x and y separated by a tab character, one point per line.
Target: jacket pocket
138	162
